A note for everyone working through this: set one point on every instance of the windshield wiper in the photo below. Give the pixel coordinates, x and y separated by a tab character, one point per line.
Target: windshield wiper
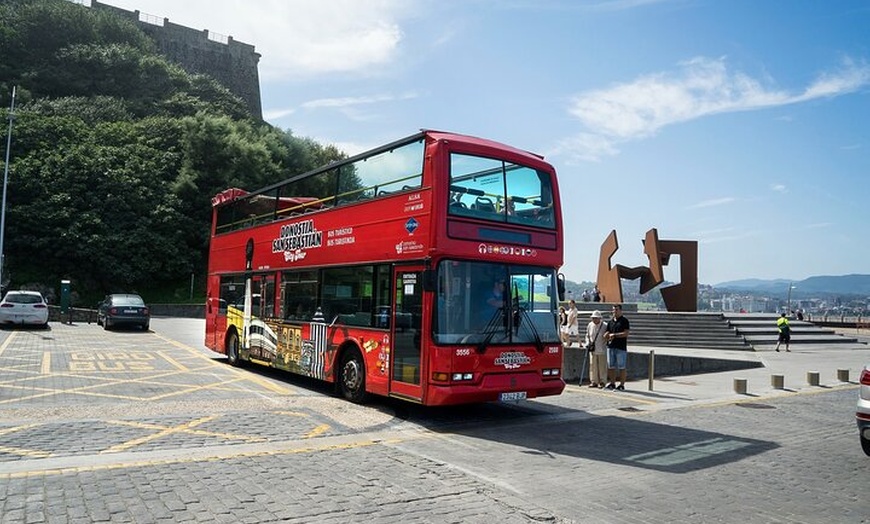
539	344
492	328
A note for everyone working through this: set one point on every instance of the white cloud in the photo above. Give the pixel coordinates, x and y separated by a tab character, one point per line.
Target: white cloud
296	37
587	147
356	100
349	105
277	114
715	239
712	203
349	148
851	77
779	188
701	87
819	225
712	232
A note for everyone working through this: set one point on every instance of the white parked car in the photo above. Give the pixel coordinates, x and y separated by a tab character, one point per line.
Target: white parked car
24	307
862	415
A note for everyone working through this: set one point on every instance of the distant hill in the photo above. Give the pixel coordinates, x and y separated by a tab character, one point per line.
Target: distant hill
837	285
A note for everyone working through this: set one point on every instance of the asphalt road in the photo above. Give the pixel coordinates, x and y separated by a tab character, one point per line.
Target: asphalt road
126	426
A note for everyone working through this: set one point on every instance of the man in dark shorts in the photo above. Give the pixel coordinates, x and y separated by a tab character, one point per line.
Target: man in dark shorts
616	336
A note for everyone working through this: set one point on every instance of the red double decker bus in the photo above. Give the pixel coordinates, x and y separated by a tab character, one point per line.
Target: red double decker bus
425	269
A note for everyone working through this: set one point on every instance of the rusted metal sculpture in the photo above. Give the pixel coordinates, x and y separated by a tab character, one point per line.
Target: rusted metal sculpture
678	297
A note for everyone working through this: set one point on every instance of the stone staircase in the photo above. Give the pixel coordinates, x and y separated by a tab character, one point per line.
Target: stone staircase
759	329
726	331
684	330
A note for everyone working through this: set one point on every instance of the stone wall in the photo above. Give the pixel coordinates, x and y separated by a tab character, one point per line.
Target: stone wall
232	63
637	365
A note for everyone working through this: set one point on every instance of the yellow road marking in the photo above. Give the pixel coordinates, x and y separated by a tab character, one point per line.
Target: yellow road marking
319	430
281	390
171	361
185	428
195	388
212	458
82	390
25	452
6	342
185	347
20	451
86	390
167	431
291	413
7	431
147	379
247	376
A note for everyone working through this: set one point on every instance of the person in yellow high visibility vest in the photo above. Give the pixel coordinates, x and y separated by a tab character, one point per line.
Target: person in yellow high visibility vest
784	332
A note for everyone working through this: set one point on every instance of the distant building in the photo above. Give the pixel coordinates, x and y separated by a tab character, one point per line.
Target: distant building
234	64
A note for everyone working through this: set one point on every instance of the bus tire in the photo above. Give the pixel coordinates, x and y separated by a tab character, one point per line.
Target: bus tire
233	349
352	376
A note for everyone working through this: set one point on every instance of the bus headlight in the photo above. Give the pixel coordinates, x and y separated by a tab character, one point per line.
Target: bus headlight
551	372
459	377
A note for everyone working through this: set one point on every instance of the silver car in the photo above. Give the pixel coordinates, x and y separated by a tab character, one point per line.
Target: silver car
862	415
24	307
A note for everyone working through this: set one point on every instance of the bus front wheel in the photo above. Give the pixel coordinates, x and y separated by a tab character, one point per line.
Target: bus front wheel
352	380
233	349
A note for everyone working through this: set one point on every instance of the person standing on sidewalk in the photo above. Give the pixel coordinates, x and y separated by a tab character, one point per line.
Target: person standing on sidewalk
573	322
594	342
784	332
616	336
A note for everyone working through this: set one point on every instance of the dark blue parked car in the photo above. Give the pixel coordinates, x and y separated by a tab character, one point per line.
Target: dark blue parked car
123	309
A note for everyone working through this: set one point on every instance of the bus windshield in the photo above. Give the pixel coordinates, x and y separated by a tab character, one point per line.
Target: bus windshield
500	191
487	303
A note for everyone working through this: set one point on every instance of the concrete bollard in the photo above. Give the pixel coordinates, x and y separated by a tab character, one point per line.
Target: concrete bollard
843	375
813	378
740	386
652	367
777	381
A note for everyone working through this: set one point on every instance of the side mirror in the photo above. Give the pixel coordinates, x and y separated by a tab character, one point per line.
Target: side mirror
560	284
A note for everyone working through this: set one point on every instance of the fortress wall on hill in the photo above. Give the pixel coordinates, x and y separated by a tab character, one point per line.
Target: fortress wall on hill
232	63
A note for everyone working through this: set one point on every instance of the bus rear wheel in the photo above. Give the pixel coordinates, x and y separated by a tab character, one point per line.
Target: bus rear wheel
352	377
233	349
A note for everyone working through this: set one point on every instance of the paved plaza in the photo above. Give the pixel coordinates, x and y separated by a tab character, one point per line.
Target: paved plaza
126	426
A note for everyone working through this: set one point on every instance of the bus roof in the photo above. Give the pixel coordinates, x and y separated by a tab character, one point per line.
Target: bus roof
231	194
447	136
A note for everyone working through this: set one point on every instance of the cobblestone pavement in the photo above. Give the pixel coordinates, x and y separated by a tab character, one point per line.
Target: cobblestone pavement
120	426
793	459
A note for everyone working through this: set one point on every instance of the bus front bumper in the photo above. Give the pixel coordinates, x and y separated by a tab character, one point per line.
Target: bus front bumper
491	387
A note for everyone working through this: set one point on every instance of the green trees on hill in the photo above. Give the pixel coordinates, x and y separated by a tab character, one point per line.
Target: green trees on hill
116	153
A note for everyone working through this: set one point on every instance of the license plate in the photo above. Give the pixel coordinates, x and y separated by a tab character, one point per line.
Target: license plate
131	311
512	396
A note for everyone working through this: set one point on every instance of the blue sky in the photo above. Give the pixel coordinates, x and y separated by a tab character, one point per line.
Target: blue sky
741	124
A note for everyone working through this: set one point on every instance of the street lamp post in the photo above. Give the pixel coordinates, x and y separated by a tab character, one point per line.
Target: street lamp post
5	178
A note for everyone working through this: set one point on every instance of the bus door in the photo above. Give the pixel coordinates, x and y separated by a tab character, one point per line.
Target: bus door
406	363
213	313
262	340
